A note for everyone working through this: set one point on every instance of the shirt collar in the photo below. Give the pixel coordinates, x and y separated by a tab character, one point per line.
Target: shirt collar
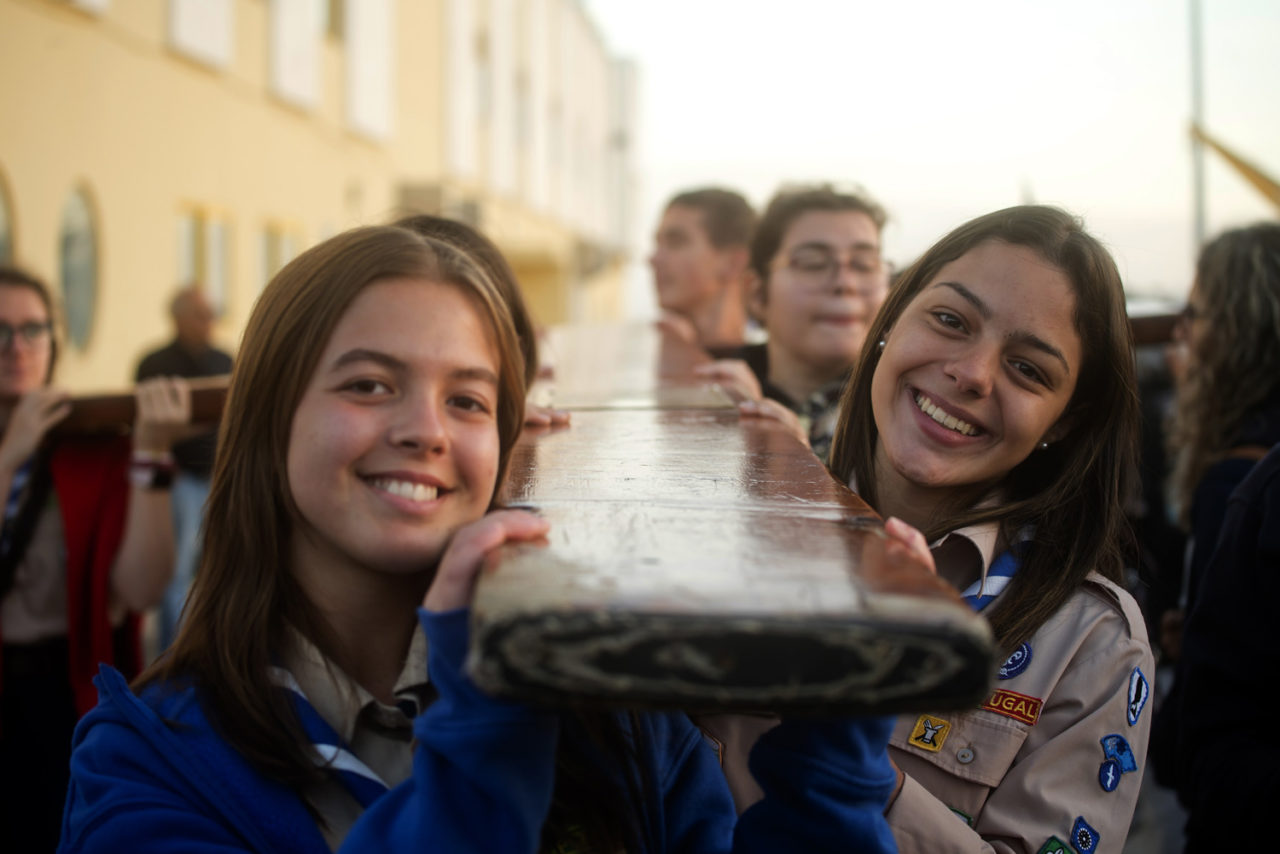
339	699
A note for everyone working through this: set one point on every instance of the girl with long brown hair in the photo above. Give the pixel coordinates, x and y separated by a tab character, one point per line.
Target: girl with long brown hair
309	704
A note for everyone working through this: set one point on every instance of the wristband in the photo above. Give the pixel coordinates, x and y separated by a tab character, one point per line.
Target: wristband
150	470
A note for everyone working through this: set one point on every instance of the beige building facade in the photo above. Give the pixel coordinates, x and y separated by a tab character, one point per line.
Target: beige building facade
147	143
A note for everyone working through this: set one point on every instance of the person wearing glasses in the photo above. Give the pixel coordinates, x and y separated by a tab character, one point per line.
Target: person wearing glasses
87	545
817	281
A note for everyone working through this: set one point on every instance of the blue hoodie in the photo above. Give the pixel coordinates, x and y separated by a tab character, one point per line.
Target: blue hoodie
151	774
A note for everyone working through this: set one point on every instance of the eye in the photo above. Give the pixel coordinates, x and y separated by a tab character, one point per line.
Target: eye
1029	371
949	320
367	386
469	403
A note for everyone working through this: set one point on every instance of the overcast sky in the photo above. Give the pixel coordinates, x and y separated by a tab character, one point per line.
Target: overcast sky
946	110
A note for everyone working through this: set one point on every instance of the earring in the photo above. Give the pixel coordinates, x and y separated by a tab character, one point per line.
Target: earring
881	345
1044	446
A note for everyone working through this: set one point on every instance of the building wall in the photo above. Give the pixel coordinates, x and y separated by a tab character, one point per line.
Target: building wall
196	124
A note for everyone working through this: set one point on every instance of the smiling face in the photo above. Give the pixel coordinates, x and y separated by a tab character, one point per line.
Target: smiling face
394	445
977	370
825	285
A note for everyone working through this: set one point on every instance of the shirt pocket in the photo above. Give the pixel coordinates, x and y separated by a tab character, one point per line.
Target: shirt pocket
977	747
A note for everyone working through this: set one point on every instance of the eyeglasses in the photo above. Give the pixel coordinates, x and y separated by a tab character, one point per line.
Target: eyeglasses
821	266
32	332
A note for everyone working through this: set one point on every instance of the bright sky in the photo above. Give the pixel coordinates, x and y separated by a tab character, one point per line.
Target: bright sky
946	110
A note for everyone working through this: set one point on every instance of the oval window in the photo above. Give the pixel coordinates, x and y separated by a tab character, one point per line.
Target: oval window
78	268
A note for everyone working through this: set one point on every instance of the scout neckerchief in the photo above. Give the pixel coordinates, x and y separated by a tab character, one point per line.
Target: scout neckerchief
26	501
331	751
983	592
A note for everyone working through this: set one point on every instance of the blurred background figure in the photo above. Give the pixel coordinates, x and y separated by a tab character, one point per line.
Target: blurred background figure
190	354
699	263
817	280
87	546
1226	361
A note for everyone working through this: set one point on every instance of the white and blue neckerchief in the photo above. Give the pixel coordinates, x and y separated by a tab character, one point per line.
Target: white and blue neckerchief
983	592
330	751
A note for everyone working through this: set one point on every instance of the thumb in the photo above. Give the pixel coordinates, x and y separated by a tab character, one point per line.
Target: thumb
455	578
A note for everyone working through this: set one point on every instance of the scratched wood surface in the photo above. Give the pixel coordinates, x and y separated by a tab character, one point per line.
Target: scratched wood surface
700	561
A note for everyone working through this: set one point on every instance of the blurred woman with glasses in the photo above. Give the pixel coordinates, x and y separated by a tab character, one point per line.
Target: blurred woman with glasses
85	549
818	280
1226	358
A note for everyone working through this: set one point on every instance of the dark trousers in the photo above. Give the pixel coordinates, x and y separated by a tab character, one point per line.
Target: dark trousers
37	717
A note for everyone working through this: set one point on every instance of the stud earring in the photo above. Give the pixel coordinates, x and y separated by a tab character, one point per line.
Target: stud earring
1044	446
881	345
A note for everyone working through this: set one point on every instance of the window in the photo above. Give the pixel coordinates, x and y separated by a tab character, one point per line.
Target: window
203	249
78	267
6	226
277	247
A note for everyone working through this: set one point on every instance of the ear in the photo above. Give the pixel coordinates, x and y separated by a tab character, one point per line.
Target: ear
756	296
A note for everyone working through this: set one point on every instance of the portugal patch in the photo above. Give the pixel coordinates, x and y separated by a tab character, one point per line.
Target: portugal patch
929	733
1011	704
1139	691
1016	662
1083	837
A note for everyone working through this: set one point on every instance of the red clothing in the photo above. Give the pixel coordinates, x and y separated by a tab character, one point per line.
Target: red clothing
91	483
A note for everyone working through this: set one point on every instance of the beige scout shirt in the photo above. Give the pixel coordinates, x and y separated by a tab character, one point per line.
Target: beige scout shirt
1040	763
380	735
1018	783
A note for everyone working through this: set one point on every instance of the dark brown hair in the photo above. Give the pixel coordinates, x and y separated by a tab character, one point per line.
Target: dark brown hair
486	253
790	203
245	596
1234	371
727	217
13	277
1071	494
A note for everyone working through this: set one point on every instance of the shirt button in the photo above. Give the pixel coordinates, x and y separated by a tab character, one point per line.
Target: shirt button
964	756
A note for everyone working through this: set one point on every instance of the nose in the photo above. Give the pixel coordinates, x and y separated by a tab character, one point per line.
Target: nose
973	370
420	424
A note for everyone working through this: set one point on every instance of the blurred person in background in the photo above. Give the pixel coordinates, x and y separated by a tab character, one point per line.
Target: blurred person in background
817	281
699	266
87	546
190	354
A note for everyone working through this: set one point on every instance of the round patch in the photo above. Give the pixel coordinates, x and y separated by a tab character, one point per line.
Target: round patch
1016	662
1109	775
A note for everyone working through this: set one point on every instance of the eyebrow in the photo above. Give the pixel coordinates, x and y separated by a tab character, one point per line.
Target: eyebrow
860	246
1023	336
361	354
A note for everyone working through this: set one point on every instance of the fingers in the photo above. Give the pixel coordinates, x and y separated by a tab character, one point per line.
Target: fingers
164	408
734	375
544	416
456	576
907	545
35	413
774	411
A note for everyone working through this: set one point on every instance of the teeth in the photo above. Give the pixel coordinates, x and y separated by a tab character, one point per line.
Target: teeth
949	421
405	489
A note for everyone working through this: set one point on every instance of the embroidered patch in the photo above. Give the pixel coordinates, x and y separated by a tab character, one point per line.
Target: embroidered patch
1109	775
1115	747
1053	845
1083	837
963	816
1011	704
930	733
1139	691
1016	662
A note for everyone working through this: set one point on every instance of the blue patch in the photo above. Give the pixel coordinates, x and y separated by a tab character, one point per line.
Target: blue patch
1115	747
1109	775
1139	692
1016	662
1083	837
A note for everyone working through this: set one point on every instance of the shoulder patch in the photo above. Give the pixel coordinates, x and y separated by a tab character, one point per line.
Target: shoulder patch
1053	845
1117	748
929	733
1011	704
1139	691
1109	775
1083	837
1016	662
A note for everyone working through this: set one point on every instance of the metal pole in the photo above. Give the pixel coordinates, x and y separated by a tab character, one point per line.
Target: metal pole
1197	119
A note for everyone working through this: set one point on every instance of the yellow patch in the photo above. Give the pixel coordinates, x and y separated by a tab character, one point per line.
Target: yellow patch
929	733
